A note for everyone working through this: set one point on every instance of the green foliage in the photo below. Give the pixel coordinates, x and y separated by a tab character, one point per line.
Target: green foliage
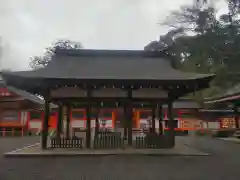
42	61
209	45
225	133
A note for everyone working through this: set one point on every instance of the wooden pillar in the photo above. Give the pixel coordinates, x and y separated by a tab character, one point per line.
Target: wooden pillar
160	119
125	122
88	126
130	117
171	124
153	118
88	119
68	120
236	116
97	122
59	122
44	134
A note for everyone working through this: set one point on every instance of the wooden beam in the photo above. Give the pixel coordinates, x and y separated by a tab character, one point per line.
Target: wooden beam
112	99
104	102
97	122
160	119
60	120
68	120
88	119
171	137
130	117
125	126
153	118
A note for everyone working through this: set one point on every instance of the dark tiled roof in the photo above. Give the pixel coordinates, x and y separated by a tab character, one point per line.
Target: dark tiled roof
216	110
109	64
233	91
185	104
231	98
229	95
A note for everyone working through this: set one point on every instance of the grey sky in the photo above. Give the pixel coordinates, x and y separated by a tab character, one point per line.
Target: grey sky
28	26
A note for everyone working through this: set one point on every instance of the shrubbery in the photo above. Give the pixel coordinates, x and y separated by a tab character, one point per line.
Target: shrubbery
225	133
216	133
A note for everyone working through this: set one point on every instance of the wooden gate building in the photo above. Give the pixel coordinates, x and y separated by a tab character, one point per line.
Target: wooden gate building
97	78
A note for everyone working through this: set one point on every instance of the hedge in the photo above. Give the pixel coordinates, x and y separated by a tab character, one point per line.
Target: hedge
225	133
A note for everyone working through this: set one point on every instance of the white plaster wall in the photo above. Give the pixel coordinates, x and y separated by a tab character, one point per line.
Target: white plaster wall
24	116
213	125
144	121
93	124
81	123
205	125
35	125
108	123
77	124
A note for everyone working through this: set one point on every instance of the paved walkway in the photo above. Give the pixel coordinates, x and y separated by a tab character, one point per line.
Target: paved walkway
36	151
223	164
233	139
180	149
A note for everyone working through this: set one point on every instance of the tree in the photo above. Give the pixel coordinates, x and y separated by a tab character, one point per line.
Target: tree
164	41
212	47
42	61
198	17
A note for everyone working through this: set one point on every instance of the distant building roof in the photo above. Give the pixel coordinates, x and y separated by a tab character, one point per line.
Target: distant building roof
24	94
233	91
217	110
29	96
231	94
185	104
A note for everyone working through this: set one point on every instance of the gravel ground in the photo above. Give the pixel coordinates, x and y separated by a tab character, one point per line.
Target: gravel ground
224	163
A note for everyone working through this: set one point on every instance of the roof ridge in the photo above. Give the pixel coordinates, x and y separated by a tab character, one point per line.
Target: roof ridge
109	52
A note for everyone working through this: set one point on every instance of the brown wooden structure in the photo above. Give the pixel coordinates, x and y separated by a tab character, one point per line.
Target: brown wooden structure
228	100
14	107
122	78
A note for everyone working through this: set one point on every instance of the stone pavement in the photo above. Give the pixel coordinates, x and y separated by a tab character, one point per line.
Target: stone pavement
222	164
180	150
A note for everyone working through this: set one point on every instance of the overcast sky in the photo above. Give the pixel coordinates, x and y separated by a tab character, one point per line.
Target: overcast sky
28	26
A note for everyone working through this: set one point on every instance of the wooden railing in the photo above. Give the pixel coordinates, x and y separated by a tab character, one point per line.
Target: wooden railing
108	140
150	141
59	142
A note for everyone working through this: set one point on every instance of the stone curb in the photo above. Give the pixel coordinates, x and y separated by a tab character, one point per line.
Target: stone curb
19	153
8	155
236	141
